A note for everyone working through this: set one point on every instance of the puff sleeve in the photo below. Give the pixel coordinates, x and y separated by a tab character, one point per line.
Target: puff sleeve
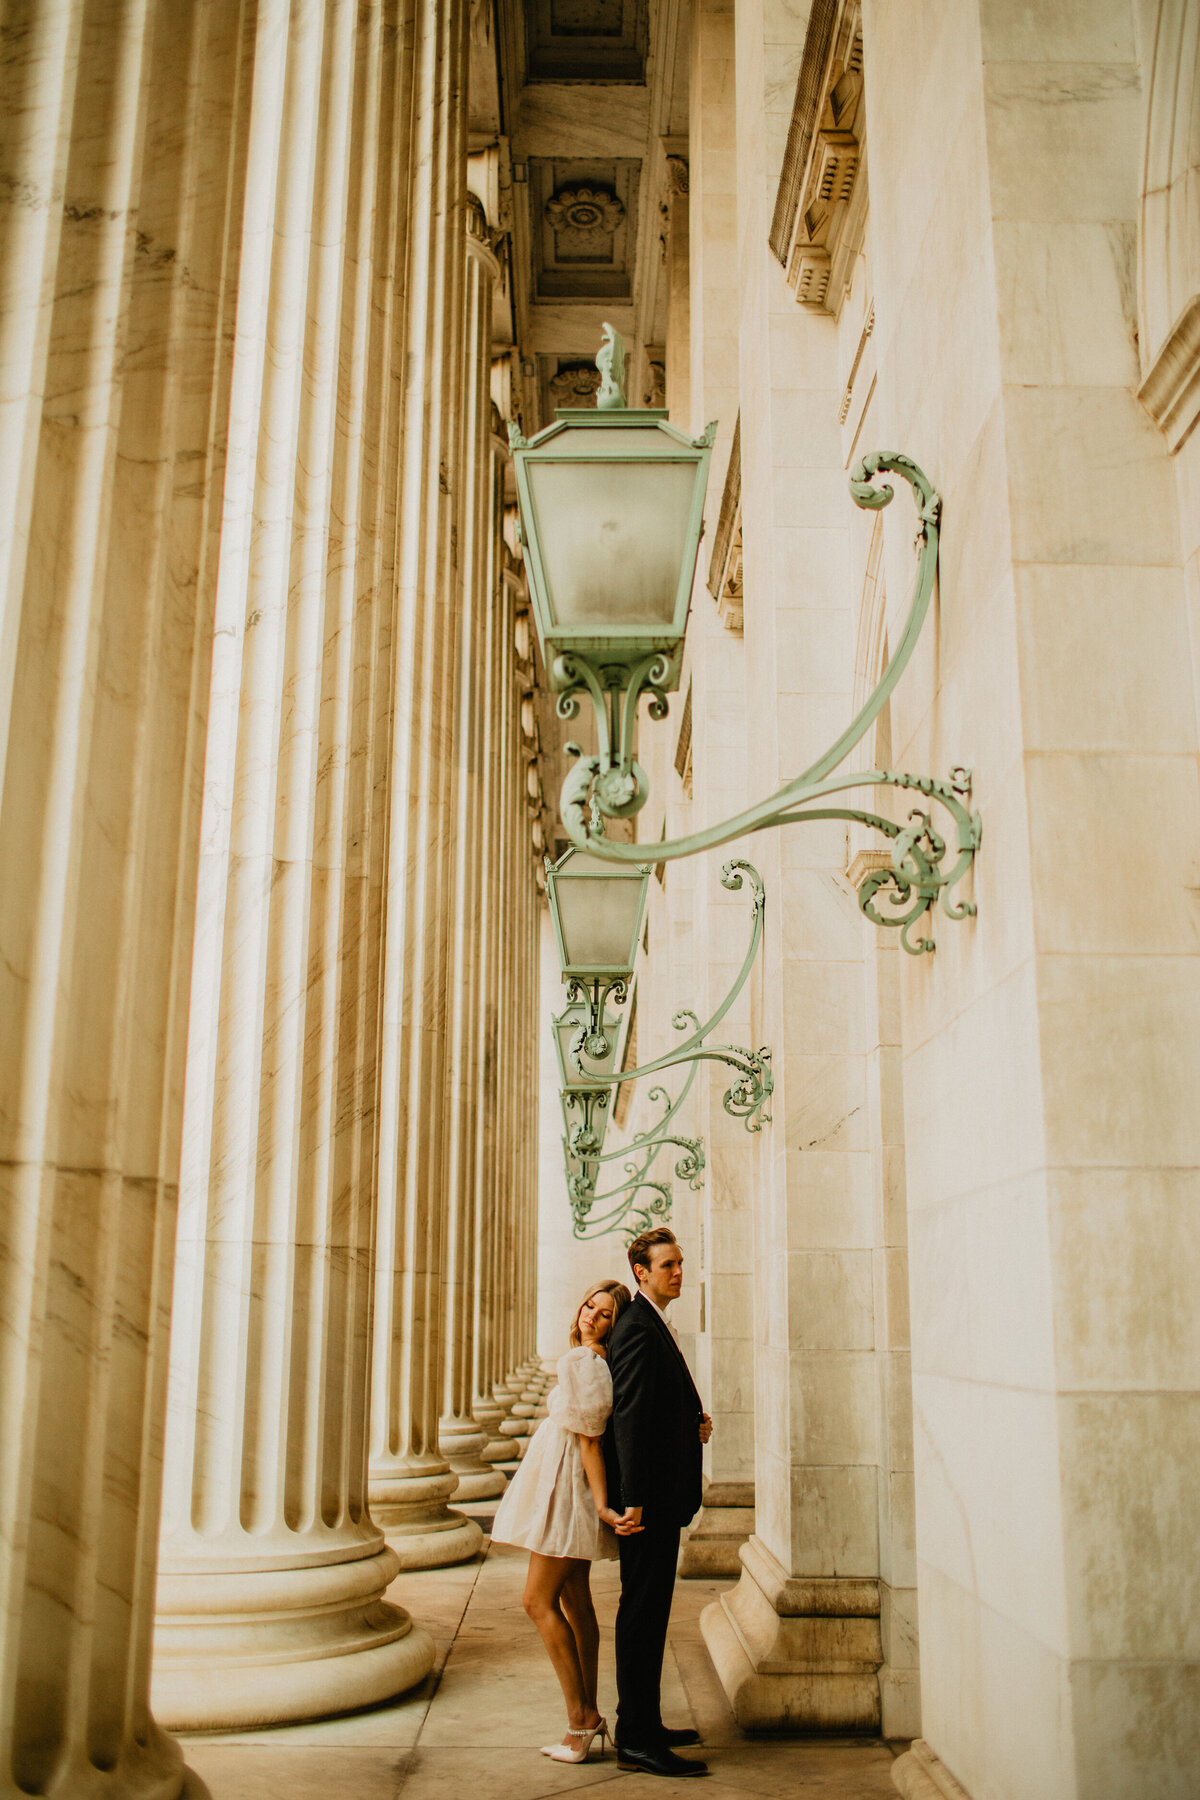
586	1388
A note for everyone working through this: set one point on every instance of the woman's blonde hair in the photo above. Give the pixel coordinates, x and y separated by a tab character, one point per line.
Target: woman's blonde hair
620	1299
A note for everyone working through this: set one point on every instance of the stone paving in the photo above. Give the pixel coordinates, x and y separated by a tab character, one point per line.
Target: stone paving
473	1729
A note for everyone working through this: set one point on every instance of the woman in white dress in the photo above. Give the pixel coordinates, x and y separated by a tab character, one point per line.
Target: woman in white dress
556	1507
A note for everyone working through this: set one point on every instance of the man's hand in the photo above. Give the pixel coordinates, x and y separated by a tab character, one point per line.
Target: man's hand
705	1428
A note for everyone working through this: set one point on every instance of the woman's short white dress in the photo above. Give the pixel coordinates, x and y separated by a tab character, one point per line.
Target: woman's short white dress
548	1504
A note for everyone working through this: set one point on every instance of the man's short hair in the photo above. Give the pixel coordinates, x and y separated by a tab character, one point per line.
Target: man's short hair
642	1247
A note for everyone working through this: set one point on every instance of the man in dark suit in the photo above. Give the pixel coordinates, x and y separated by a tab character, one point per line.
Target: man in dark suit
652	1457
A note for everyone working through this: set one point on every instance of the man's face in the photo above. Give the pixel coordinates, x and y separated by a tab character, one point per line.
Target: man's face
664	1279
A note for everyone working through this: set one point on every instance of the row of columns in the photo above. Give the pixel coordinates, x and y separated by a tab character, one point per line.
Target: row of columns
268	931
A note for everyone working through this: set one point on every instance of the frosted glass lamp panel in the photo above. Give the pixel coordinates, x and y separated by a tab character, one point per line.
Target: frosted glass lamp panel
613	537
599	915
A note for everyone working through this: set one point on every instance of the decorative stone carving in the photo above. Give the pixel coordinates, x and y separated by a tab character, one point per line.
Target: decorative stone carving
584	209
577	385
820	210
677	175
656	378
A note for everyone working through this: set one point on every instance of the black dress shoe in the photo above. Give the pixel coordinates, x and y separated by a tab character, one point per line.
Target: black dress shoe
660	1761
684	1735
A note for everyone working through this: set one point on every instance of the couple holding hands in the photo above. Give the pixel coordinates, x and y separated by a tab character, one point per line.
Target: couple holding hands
614	1470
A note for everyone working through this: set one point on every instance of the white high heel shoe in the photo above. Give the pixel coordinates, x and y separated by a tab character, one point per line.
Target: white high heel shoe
564	1753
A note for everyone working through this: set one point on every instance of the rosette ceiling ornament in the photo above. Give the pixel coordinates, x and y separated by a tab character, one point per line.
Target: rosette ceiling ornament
584	209
611	509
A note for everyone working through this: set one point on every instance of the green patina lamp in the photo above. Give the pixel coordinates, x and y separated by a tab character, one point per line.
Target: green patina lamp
612	506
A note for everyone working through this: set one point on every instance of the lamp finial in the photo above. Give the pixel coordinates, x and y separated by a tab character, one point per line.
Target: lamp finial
610	360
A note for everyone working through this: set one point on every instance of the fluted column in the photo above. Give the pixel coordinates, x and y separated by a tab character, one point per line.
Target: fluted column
411	1479
119	135
272	1570
492	1399
462	1436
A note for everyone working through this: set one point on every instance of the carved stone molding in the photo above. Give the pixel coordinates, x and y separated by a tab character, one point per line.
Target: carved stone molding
820	208
725	566
864	863
921	1775
1171	391
793	1653
677	175
864	337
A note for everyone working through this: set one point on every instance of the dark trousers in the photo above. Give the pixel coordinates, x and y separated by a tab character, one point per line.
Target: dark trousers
647	1584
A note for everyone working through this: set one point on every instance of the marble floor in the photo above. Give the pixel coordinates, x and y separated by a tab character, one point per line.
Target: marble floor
473	1729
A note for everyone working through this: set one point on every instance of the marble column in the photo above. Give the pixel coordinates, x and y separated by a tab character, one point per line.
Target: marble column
272	1571
462	1436
410	1478
491	1401
677	204
120	130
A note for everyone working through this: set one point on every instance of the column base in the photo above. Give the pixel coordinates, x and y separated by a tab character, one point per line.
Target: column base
489	1414
149	1767
795	1654
725	1522
251	1647
921	1775
420	1528
461	1442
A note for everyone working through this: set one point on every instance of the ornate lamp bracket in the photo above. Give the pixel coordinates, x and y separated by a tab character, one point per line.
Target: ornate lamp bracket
746	1098
930	853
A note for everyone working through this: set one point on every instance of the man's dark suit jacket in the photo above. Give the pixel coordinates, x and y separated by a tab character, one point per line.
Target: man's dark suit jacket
652	1452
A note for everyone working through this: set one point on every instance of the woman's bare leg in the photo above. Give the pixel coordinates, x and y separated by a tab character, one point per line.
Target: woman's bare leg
581	1617
543	1591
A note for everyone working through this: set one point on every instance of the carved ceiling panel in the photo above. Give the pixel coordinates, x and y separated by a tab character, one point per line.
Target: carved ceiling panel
585	40
583	217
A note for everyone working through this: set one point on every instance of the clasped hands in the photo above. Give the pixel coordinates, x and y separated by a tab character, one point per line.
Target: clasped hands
626	1523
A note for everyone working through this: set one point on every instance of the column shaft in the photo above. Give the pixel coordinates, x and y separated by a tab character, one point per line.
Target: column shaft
410	1478
120	133
462	1436
272	1571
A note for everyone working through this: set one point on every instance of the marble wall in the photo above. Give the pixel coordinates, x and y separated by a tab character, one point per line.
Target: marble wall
1049	1058
995	1139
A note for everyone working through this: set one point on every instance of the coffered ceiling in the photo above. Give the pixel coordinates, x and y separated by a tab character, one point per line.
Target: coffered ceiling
581	102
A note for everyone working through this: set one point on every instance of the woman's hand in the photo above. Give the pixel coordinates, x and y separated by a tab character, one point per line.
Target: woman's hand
705	1428
624	1524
